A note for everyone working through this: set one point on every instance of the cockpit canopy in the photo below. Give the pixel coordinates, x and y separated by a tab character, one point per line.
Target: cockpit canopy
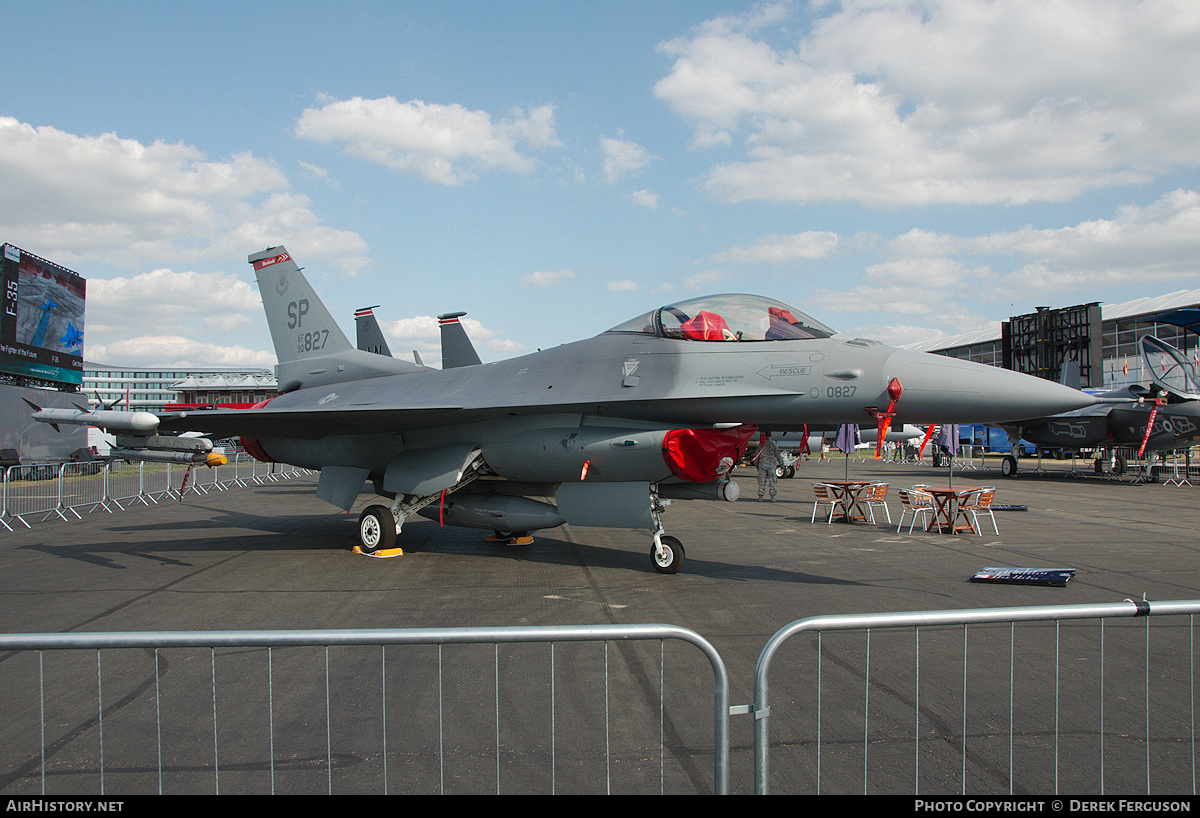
727	318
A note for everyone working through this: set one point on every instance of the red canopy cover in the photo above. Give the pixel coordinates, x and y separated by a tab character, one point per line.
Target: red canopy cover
706	326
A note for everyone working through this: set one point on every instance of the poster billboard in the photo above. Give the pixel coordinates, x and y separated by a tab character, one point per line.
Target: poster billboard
41	329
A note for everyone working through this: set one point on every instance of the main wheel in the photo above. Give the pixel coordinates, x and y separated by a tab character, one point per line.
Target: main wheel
1008	466
376	529
667	556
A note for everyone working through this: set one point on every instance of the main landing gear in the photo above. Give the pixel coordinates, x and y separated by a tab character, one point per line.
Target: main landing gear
378	526
377	532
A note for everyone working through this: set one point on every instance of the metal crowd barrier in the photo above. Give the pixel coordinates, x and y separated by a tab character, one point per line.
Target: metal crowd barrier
41	491
373	684
969	746
999	681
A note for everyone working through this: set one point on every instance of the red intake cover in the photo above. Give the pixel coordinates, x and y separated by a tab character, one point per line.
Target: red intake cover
253	447
703	455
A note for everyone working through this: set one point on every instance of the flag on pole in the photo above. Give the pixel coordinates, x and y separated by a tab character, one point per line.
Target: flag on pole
948	438
848	437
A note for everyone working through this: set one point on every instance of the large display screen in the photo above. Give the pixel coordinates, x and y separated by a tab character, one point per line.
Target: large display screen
41	331
1041	343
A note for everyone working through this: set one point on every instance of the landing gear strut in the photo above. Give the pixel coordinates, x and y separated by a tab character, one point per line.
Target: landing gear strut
667	552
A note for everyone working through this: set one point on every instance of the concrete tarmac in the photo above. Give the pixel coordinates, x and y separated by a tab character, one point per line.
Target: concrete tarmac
1066	708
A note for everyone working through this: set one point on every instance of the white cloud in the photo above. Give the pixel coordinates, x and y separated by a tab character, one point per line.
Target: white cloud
423	334
505	346
542	280
177	351
624	286
784	249
73	198
891	102
622	158
445	144
1137	246
706	279
950	281
202	304
644	198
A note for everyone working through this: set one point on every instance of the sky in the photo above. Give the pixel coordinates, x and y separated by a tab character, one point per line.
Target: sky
898	170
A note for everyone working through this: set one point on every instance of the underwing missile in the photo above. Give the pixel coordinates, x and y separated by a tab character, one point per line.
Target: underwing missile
138	423
209	459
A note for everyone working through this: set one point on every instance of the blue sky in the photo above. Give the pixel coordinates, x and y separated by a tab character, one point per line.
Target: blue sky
900	170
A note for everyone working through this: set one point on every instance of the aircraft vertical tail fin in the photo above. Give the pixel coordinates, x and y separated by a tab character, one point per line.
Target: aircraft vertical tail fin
301	326
370	336
457	349
311	347
1069	375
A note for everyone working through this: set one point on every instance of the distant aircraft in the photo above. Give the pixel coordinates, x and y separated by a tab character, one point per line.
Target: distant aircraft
457	349
1162	416
610	428
370	336
796	443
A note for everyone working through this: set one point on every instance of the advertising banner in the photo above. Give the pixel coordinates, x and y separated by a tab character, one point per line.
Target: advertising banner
41	329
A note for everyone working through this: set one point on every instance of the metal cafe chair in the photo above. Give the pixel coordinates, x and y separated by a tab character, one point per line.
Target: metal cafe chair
876	497
823	496
913	502
980	505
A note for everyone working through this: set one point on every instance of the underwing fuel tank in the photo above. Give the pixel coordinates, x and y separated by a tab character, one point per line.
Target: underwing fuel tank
613	455
578	453
726	490
493	511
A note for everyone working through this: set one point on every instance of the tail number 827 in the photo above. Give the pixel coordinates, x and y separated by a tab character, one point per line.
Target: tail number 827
312	341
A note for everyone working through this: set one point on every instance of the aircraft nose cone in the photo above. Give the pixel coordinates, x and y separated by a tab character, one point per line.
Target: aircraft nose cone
938	389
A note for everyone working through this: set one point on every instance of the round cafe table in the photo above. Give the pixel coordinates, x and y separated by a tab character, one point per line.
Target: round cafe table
945	504
849	493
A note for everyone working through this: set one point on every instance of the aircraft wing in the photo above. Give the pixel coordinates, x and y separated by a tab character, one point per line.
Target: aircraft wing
302	422
313	423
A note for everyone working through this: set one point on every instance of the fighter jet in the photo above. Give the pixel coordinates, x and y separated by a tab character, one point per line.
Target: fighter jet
603	432
1158	417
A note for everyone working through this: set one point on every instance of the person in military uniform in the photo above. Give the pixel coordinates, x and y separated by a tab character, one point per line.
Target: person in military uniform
767	461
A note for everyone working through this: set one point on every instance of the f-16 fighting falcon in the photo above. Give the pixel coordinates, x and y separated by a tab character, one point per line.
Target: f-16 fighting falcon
600	432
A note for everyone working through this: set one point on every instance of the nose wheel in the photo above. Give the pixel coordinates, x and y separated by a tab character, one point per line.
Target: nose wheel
667	554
